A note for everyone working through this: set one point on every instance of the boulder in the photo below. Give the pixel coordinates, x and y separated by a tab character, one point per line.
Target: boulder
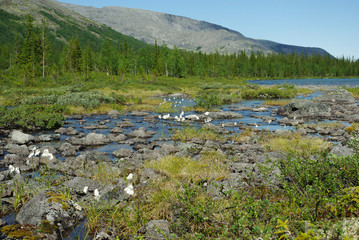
224	115
21	150
148	175
339	96
53	209
341	151
67	131
94	139
123	153
156	229
48	137
83	185
19	137
305	109
68	150
114	192
139	133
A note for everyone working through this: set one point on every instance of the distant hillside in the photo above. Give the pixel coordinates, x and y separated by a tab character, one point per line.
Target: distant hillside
63	23
182	32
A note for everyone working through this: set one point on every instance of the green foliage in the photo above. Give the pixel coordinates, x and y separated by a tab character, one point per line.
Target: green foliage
88	100
278	92
314	182
32	117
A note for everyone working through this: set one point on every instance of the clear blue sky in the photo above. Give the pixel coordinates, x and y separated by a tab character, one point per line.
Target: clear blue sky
329	24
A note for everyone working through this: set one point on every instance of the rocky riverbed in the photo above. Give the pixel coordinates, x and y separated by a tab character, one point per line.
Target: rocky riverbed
47	177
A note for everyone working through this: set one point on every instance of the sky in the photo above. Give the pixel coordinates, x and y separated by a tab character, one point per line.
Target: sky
329	24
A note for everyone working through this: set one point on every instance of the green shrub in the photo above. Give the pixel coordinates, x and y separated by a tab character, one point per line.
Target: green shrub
32	117
315	182
88	100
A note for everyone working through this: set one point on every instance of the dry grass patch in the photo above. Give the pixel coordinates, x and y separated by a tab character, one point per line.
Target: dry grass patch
295	143
188	133
185	168
276	102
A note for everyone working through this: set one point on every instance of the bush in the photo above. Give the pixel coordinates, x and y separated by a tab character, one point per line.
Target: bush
282	91
32	117
88	100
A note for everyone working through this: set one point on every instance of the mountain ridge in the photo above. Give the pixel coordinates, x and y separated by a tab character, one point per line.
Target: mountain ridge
183	32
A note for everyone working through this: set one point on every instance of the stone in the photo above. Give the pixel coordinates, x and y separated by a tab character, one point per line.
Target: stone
94	139
71	131
21	150
52	207
341	151
140	133
123	153
149	174
305	109
19	137
156	229
114	113
114	192
68	150
339	96
78	184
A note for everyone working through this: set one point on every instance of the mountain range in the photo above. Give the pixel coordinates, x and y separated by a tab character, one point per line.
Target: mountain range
137	26
182	32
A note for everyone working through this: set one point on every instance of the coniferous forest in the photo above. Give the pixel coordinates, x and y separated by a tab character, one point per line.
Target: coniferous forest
38	53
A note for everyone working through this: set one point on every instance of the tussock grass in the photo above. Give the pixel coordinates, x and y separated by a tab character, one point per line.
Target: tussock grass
303	146
276	102
187	133
184	168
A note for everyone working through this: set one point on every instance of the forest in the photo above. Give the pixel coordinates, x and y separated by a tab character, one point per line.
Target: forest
38	53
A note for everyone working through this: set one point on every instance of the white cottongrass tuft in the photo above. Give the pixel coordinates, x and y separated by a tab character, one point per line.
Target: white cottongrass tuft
86	188
206	113
46	153
129	190
96	194
167	116
130	176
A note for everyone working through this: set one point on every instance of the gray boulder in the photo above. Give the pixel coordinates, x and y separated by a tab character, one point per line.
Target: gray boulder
68	150
21	150
139	133
67	131
19	137
340	97
52	208
305	109
224	115
78	184
148	175
115	192
123	153
156	229
341	151
94	139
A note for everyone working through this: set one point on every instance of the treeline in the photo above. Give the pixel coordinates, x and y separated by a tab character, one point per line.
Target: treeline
39	54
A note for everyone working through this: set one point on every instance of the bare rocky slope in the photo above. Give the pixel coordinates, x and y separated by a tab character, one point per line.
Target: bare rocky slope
182	32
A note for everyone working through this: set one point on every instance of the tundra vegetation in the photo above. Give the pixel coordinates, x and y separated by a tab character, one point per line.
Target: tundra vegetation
317	196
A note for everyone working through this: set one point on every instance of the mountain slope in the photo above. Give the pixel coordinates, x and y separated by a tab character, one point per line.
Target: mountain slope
182	32
63	23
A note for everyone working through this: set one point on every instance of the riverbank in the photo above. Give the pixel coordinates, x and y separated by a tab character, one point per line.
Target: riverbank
246	169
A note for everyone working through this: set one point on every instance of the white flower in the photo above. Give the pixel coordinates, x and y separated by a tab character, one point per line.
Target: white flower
86	188
46	153
97	194
17	170
167	116
77	207
130	176
11	168
206	113
37	153
31	154
129	190
160	117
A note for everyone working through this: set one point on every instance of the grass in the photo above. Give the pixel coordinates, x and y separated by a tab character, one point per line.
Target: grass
303	146
276	102
187	133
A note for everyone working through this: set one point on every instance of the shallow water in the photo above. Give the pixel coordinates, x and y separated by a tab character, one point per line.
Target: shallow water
339	82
